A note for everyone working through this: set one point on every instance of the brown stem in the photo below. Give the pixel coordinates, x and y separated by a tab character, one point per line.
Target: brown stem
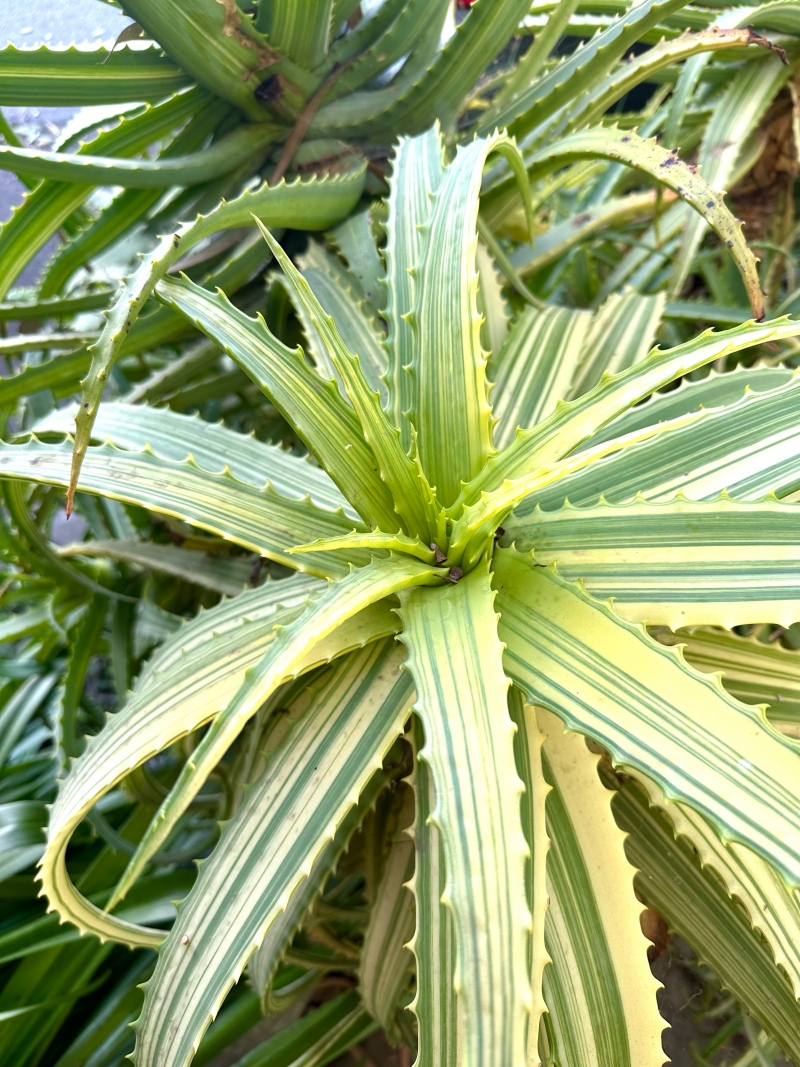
300	128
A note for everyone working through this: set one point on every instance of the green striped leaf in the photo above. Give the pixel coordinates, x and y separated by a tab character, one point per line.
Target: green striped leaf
773	909
183	688
679	563
285	658
697	907
534	369
260	520
213	446
327	425
77	77
715	390
606	678
698	460
621	334
600	994
573	423
455	659
336	290
417	174
449	405
751	670
433	943
414	500
528	750
296	810
305	203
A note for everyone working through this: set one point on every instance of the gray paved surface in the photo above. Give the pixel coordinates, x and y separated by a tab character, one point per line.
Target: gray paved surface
27	23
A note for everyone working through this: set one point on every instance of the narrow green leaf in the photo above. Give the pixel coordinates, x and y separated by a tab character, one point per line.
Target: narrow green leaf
455	659
449	406
305	203
417	173
533	370
327	425
414	500
291	815
77	77
261	520
282	660
600	992
606	678
248	143
736	115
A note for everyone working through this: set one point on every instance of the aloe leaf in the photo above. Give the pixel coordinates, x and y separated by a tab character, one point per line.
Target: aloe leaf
301	201
580	72
336	291
127	209
697	461
639	69
322	419
528	750
772	909
300	29
223	574
184	687
720	562
80	77
386	963
433	943
715	390
329	757
414	500
657	716
261	520
417	173
696	906
319	1037
599	990
246	144
562	236
62	374
377	540
50	204
736	115
355	242
55	307
449	406
420	98
212	445
454	657
415	29
621	334
534	369
751	670
90	629
571	424
216	44
280	661
666	167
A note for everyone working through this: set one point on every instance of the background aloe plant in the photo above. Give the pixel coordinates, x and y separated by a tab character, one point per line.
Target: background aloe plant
407	829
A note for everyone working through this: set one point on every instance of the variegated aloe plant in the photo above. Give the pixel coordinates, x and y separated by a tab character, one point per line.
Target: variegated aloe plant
449	595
